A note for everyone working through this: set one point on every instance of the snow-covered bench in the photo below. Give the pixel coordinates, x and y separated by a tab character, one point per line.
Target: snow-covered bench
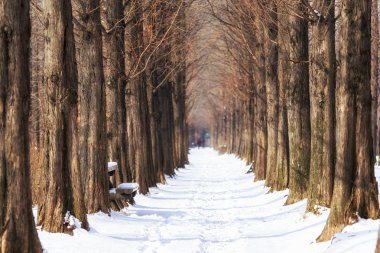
123	194
112	167
127	188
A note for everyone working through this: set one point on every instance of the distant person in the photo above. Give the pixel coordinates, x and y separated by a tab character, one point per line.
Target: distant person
199	142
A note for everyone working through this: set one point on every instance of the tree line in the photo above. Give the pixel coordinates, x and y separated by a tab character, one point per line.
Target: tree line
302	100
84	82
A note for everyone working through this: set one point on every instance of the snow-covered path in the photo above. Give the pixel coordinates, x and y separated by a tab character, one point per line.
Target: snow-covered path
211	206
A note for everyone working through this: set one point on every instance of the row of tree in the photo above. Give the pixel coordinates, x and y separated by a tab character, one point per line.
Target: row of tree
298	100
106	83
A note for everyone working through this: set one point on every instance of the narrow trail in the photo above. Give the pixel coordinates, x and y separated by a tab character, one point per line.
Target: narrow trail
209	206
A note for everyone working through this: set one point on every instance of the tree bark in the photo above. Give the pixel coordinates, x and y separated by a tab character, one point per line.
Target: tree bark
281	178
298	104
92	139
322	101
260	110
63	187
272	92
137	109
113	43
375	75
17	228
355	187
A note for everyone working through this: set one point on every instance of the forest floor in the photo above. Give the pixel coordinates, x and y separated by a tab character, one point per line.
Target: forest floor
212	206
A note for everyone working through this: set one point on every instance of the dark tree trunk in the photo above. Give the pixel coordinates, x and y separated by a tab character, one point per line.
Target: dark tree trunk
272	92
322	111
113	43
260	110
63	187
298	104
355	187
281	177
36	69
17	228
375	76
137	109
92	117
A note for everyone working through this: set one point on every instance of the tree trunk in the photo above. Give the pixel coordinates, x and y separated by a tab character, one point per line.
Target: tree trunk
92	139
272	92
322	101
281	178
298	104
63	187
260	118
17	228
355	187
375	75
35	140
113	43
137	109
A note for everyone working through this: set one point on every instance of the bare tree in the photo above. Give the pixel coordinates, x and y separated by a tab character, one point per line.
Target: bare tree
62	183
92	115
355	187
322	101
16	218
113	53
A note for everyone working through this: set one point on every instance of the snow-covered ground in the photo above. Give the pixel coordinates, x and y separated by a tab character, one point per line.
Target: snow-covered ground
212	206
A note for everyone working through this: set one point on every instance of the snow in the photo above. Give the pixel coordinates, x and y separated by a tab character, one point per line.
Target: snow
129	186
212	206
112	166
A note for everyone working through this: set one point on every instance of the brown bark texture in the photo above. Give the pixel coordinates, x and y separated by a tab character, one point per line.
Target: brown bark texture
113	43
272	92
92	114
17	229
136	99
62	184
355	186
322	101
298	104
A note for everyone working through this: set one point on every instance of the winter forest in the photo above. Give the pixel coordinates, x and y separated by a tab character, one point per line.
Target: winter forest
189	126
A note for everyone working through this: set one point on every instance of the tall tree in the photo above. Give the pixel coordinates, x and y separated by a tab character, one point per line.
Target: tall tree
355	187
137	109
281	178
260	104
113	43
272	92
92	117
63	186
375	75
298	101
17	228
322	101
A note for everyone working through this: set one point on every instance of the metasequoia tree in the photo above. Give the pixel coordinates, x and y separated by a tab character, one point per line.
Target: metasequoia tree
137	111
375	32
272	91
355	187
322	101
18	232
36	70
63	186
92	117
298	108
113	54
165	29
